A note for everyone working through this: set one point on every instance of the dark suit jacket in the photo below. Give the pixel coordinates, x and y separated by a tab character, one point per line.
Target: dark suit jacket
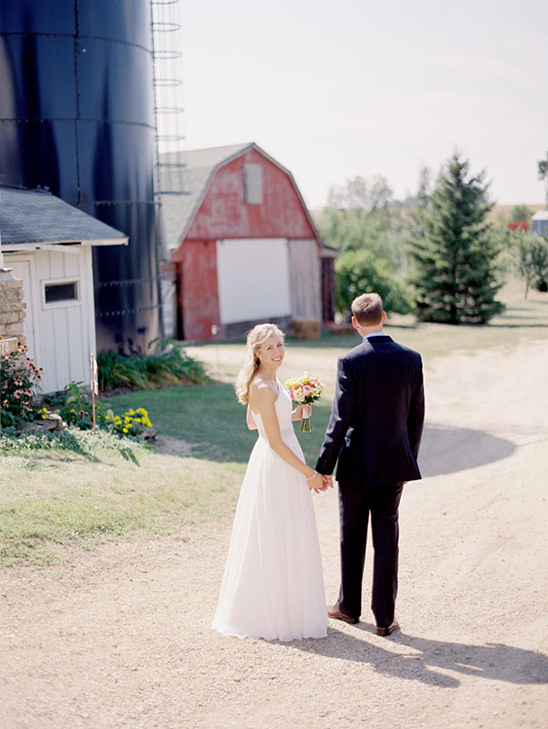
377	417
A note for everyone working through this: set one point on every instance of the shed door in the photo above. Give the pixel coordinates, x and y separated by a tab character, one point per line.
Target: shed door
23	268
66	317
253	279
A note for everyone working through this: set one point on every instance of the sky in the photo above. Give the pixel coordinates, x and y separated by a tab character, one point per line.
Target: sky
340	88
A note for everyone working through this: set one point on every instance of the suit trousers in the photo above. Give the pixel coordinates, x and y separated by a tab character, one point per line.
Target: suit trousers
356	503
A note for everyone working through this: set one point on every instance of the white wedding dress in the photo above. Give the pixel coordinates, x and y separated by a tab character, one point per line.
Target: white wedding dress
272	586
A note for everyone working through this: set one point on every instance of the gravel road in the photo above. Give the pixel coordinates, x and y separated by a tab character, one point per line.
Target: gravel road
121	638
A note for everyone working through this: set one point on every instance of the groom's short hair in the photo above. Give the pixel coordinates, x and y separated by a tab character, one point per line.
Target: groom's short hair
367	309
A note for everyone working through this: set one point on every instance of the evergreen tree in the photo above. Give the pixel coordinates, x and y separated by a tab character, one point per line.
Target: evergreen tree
456	266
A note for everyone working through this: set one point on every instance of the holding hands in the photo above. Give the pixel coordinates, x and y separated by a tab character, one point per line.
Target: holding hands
318	482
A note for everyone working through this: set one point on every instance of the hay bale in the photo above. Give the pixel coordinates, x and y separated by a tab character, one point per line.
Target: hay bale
343	329
304	328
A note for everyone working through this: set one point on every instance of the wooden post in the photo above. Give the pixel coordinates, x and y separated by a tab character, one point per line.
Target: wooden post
7	346
215	332
94	388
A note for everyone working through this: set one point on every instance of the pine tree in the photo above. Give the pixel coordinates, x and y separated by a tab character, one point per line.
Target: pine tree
456	271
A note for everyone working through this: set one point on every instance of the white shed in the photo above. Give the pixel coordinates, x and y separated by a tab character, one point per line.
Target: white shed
540	222
47	243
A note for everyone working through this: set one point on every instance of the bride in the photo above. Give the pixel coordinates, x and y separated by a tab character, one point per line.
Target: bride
272	586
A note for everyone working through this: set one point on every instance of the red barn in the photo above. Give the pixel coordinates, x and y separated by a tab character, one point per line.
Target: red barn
244	246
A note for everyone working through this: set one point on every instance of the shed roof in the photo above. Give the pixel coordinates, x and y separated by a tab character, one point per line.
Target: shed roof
200	167
541	215
32	217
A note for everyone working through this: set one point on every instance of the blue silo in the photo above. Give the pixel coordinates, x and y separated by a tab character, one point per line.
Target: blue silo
77	117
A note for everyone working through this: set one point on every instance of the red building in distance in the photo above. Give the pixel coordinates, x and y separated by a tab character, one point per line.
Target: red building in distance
244	246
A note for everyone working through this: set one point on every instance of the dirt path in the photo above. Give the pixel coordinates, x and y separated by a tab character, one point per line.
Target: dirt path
122	638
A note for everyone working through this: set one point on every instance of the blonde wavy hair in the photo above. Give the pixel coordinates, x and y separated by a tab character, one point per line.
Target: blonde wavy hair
257	336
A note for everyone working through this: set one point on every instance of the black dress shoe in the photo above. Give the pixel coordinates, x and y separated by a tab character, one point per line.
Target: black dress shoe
334	612
387	631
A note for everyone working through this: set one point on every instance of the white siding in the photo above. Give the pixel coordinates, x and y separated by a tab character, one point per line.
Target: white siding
253	277
61	336
305	267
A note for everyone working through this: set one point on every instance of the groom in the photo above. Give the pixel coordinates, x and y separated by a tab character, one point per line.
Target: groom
374	432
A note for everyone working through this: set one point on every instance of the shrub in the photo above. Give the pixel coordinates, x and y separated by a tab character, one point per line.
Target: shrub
19	377
358	272
167	364
76	409
532	260
132	423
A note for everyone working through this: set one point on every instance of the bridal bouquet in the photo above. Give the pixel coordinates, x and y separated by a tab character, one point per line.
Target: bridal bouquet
304	390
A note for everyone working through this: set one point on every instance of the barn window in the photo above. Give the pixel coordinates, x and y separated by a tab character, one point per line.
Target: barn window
253	184
61	292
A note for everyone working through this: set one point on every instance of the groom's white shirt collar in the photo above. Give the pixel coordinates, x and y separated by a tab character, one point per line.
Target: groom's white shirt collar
374	334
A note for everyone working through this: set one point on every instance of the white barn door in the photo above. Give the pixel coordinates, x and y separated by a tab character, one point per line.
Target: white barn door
254	281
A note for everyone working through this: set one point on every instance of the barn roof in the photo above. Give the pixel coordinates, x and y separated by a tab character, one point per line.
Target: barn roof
32	217
200	167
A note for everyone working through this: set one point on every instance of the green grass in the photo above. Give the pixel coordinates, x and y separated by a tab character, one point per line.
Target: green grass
208	416
102	489
524	320
50	499
106	489
211	418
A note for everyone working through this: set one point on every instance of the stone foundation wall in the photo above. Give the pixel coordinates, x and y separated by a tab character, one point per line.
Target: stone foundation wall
12	306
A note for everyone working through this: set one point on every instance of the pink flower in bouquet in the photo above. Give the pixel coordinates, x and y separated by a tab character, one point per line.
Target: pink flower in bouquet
304	390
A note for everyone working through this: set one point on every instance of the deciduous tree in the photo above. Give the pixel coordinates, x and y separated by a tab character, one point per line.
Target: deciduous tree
532	260
357	272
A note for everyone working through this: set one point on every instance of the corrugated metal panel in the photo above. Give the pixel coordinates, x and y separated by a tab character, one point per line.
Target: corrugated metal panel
78	119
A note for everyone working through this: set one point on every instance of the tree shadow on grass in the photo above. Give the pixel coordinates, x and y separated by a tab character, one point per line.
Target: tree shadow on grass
427	660
209	424
519	324
444	449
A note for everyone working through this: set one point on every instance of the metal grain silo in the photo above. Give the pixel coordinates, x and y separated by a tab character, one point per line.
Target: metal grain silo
77	117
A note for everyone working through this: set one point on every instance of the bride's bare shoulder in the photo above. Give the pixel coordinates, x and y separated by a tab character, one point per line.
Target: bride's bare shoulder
259	390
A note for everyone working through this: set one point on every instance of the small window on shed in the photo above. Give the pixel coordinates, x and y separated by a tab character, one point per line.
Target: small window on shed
253	184
61	292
